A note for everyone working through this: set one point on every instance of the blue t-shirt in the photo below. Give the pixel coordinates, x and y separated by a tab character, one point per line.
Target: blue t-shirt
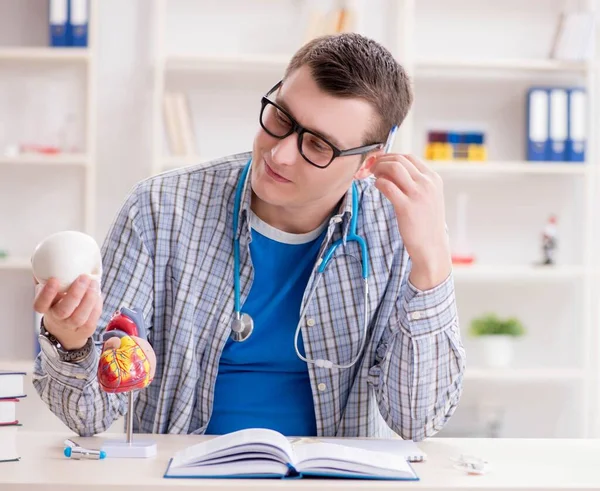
261	381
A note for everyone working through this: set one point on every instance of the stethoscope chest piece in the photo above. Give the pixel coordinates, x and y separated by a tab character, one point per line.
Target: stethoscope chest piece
241	327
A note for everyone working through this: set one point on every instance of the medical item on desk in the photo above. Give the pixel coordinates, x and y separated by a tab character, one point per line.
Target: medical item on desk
242	324
127	363
471	464
75	451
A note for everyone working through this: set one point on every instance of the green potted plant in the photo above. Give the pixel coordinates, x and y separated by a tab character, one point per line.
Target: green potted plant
497	338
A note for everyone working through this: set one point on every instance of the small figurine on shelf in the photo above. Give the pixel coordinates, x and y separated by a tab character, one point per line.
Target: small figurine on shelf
549	241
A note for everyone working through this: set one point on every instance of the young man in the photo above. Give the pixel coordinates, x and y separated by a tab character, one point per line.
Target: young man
353	369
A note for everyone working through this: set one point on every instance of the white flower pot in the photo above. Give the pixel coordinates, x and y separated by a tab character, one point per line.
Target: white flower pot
497	350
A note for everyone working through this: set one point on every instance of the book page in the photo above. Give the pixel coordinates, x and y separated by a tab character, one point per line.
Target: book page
341	458
255	440
406	449
243	468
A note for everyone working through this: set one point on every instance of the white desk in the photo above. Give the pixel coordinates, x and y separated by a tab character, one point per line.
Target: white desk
517	464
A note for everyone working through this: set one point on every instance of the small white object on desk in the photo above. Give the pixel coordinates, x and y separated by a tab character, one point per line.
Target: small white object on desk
65	256
471	464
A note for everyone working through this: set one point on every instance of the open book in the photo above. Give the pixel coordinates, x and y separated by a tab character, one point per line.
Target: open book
262	453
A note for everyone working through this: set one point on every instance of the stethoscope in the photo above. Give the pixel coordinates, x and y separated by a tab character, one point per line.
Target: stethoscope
242	324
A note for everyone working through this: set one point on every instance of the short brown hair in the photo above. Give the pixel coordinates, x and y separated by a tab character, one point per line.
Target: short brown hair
351	65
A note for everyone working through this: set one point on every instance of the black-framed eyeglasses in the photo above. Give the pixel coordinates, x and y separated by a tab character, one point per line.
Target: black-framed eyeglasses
315	149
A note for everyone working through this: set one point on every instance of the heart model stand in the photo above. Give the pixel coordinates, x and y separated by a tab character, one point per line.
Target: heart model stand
126	364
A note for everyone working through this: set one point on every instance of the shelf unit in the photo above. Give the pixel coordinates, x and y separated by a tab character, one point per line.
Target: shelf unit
37	174
505	172
466	76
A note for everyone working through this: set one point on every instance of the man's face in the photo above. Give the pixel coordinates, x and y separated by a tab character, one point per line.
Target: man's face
280	174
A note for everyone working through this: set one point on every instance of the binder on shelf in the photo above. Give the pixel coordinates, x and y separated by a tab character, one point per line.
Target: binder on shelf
576	127
558	124
78	21
59	22
538	108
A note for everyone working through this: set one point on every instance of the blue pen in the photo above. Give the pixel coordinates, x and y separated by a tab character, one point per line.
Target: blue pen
390	140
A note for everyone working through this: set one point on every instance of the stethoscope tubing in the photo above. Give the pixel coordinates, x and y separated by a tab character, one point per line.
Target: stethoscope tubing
352	236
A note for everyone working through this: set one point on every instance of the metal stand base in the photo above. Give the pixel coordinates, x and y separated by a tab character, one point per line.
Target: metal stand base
128	448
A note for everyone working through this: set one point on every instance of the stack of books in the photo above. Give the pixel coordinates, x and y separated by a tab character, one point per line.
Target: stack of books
12	390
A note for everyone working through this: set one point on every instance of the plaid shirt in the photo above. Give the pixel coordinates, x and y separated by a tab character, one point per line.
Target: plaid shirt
169	252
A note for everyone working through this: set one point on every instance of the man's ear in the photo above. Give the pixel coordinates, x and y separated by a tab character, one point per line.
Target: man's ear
365	168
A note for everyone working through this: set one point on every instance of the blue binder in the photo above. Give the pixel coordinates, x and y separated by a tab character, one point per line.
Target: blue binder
577	123
558	124
538	124
79	14
59	22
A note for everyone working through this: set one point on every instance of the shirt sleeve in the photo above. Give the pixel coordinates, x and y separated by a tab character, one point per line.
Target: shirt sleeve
71	390
420	361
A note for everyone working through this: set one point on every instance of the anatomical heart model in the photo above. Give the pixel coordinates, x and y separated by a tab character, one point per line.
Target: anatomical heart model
127	363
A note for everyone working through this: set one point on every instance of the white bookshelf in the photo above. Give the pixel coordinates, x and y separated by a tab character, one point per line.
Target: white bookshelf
470	82
465	70
41	193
